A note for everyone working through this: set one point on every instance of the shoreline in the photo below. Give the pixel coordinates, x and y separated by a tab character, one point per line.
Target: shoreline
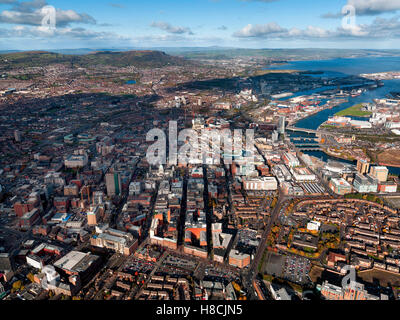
343	158
335	156
390	165
353	160
312	113
307	116
324	150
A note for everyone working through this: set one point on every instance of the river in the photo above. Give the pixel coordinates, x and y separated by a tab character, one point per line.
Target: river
341	68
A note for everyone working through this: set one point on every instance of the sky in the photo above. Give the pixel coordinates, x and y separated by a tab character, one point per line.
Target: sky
353	24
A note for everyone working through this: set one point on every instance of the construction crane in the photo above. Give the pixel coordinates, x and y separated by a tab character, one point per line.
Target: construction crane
87	188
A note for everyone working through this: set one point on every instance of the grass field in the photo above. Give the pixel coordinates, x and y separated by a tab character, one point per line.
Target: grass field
354	111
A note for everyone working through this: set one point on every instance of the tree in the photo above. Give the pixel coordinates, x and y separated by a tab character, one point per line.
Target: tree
31	277
17	285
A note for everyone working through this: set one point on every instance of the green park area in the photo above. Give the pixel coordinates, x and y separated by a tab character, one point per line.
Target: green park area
355	111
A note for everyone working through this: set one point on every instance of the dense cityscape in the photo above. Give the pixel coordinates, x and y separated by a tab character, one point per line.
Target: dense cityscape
277	180
85	216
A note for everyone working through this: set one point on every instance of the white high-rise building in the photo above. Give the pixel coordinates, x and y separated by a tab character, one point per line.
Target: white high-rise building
282	125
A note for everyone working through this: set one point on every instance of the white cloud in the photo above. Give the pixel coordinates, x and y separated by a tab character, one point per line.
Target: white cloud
380	28
27	19
310	31
40	32
31	13
374	7
368	8
63	17
260	30
274	30
165	26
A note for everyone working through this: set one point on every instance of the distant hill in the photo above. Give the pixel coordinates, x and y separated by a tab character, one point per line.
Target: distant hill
138	58
160	57
285	54
143	59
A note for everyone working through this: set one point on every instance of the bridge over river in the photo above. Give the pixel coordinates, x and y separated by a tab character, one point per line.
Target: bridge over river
310	131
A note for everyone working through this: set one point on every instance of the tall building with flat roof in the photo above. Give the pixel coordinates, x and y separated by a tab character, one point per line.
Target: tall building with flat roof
282	125
113	183
93	216
363	166
380	173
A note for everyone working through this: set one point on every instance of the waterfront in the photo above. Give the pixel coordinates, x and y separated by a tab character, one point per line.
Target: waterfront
313	122
343	67
325	157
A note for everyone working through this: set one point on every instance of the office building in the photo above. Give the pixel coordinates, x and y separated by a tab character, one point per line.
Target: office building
282	125
115	240
76	161
93	216
261	184
340	186
380	173
113	183
239	259
363	166
365	184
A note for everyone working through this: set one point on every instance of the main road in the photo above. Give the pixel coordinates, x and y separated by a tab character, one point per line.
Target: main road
252	271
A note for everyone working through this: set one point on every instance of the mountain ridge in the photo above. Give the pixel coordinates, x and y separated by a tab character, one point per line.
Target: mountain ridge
137	58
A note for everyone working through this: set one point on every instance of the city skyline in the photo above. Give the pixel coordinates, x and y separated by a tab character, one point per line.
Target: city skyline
177	152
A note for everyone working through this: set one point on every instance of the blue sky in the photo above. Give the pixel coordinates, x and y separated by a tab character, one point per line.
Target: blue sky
172	23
